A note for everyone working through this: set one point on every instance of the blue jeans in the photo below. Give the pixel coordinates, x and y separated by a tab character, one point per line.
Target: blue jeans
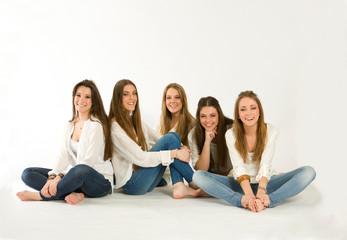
279	188
144	179
80	178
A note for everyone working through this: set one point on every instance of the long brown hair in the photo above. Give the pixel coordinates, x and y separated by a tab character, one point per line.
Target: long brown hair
224	123
240	143
98	111
185	120
130	123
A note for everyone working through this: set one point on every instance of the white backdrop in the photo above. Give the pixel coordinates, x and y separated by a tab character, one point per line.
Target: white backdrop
291	53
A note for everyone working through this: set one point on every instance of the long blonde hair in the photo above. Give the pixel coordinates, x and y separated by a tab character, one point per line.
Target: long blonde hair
132	125
240	143
185	120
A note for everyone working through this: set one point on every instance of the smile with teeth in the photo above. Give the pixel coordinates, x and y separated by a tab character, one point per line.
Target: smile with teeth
249	119
209	125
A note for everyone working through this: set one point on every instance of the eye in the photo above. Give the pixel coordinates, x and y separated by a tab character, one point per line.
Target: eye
88	96
168	98
242	109
178	97
78	95
254	108
125	94
213	115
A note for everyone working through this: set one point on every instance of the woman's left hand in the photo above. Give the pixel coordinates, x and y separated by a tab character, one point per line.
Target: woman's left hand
264	198
183	155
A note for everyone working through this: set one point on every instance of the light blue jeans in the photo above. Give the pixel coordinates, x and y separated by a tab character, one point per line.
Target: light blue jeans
279	188
144	179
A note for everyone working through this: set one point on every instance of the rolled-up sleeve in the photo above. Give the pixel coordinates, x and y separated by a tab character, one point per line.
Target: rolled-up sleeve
239	167
265	169
133	153
193	146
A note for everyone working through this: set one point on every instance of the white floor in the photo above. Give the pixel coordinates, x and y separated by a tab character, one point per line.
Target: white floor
157	215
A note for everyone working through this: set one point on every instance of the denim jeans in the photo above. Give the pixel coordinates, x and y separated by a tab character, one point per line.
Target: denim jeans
279	188
80	178
144	179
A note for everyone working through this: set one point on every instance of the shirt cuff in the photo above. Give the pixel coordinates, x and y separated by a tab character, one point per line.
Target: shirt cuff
165	157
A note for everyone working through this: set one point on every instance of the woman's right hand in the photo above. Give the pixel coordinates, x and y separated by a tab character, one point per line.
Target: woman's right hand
210	135
45	189
183	155
50	188
248	199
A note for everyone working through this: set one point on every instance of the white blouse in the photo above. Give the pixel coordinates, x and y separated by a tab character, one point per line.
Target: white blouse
126	152
90	150
254	170
74	147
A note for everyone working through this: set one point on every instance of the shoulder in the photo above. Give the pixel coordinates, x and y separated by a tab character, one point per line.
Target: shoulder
271	129
191	133
115	127
94	122
230	132
272	132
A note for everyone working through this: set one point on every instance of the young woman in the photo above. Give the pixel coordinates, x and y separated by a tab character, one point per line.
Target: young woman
140	156
251	144
207	143
83	167
175	116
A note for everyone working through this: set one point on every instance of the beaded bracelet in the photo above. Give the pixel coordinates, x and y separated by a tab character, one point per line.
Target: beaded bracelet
61	175
51	176
260	187
242	178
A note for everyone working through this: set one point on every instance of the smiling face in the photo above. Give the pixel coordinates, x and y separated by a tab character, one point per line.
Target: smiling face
209	117
248	112
83	100
129	97
173	101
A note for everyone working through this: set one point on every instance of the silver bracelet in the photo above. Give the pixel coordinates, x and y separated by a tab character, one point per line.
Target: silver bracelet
260	187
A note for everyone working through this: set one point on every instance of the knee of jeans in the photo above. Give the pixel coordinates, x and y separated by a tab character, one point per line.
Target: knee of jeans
198	177
176	135
80	169
26	173
174	139
309	173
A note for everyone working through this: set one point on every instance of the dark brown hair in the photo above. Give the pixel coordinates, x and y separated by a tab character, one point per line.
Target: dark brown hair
98	111
224	123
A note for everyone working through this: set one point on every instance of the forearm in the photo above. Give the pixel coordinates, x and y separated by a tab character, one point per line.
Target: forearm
203	162
246	187
262	185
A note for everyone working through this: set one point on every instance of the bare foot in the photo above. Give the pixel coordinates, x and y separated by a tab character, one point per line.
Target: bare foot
180	191
74	198
201	193
252	205
259	205
29	196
